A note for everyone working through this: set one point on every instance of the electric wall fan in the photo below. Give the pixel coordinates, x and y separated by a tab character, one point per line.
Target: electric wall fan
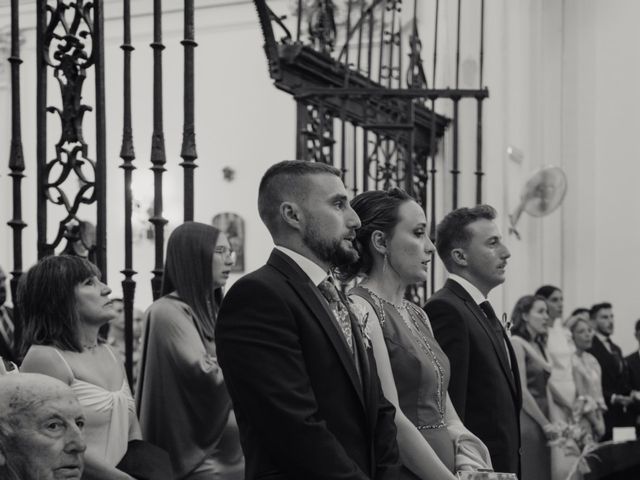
542	194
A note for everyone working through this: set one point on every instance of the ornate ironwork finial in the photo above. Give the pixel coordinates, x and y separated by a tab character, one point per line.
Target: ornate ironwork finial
322	25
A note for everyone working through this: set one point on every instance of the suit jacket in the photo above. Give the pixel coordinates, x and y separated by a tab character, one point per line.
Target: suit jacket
7	351
484	388
304	410
633	370
614	381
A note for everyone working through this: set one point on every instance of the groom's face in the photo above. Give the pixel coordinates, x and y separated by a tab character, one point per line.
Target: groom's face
329	221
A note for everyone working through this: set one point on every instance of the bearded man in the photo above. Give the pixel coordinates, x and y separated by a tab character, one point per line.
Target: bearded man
302	379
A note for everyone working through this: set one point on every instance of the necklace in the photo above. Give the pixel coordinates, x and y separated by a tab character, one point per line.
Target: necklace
401	307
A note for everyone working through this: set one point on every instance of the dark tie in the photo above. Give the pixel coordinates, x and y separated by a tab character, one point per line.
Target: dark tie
493	319
338	308
497	328
616	355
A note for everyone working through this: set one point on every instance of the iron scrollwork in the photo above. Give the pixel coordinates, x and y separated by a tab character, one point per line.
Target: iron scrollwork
68	50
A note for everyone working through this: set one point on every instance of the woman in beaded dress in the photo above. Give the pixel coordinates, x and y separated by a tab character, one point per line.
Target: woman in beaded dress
395	252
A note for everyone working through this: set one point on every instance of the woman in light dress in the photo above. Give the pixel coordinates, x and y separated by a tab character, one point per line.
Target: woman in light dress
587	374
562	390
395	252
63	304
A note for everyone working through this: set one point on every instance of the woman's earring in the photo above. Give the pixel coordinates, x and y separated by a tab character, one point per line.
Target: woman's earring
384	263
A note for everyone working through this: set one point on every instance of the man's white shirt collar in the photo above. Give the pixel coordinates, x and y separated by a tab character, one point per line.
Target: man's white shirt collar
469	287
312	269
605	340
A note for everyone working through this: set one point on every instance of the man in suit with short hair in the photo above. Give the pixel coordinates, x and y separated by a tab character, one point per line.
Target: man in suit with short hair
615	385
485	384
303	381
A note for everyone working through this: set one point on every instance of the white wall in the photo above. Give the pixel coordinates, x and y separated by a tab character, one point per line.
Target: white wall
562	77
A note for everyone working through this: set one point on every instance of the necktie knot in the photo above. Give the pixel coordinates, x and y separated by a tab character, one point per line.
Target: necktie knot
329	290
488	310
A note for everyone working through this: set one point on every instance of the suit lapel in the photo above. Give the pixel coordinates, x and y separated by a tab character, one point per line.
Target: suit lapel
480	317
365	367
313	300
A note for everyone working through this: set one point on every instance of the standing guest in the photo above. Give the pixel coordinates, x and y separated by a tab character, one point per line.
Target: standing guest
64	304
633	365
560	350
530	326
116	339
7	329
614	380
395	252
302	378
41	425
485	384
182	399
589	403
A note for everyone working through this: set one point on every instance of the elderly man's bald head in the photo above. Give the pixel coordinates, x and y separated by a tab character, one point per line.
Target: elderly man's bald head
41	426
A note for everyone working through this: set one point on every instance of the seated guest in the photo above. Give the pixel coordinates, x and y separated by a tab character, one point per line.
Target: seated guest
530	326
589	403
115	338
64	304
614	376
41	424
395	252
182	398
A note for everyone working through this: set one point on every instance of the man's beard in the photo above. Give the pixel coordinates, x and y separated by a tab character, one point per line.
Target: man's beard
330	250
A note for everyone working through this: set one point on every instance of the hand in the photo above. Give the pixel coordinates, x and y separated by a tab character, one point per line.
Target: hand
550	431
623	400
635	396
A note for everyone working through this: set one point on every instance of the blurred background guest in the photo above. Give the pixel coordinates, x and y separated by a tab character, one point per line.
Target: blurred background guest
589	403
633	365
559	349
115	337
7	329
64	304
615	385
41	425
182	399
395	252
530	326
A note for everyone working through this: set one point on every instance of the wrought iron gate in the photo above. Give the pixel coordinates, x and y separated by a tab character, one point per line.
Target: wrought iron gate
364	101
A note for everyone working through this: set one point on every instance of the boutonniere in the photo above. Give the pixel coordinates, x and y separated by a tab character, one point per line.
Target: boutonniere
362	317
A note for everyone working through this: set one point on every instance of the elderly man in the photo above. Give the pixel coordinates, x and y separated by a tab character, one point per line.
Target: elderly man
40	429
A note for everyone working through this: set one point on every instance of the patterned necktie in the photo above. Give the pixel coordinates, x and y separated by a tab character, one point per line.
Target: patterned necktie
6	327
338	308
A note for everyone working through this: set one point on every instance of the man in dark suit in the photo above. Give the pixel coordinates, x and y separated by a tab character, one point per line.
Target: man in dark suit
485	385
633	368
7	329
615	385
303	382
